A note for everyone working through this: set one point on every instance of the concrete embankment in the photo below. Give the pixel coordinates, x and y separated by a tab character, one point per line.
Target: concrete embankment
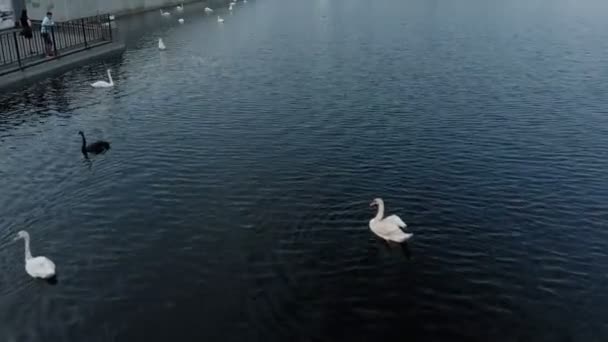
60	65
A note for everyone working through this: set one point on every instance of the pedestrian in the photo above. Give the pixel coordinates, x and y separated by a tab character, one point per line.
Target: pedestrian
26	29
45	30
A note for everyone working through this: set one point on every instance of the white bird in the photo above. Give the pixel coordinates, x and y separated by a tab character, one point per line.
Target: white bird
164	14
208	10
161	45
388	228
104	84
111	17
38	267
180	8
219	19
180	20
230	7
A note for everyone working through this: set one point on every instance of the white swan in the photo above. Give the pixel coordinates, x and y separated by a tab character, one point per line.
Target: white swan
388	228
164	14
111	17
220	19
38	267
180	20
230	7
180	8
208	10
161	45
104	84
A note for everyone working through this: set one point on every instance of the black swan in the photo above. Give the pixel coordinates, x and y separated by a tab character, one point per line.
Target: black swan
95	148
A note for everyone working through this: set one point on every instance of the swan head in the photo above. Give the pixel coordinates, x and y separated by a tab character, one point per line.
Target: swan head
22	234
80	132
376	202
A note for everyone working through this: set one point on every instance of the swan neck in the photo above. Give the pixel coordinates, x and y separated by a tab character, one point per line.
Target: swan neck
380	213
83	149
28	253
110	77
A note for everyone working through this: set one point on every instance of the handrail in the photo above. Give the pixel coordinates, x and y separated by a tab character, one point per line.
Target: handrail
18	52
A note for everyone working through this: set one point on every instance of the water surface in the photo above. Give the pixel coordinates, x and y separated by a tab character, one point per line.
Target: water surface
233	205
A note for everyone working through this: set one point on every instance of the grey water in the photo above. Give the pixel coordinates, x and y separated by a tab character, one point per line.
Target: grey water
233	205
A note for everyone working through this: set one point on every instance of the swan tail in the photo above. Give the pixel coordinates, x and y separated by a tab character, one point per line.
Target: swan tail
401	237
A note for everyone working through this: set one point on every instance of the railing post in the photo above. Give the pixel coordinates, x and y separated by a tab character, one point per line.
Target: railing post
17	48
109	26
54	43
84	34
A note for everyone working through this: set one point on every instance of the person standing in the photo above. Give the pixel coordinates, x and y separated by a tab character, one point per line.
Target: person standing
45	30
26	29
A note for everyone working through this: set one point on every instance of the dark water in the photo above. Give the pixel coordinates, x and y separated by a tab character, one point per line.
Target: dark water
233	205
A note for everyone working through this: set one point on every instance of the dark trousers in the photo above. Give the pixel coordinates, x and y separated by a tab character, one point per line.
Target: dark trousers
48	43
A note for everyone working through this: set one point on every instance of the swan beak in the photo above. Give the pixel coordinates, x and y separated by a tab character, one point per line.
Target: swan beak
372	204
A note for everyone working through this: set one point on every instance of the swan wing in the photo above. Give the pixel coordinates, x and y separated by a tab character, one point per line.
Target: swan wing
389	231
40	267
400	236
382	228
396	220
100	84
98	147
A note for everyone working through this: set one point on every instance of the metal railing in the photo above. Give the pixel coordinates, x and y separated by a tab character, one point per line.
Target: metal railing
18	52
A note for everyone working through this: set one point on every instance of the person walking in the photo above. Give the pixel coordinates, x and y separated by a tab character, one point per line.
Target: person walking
45	30
26	29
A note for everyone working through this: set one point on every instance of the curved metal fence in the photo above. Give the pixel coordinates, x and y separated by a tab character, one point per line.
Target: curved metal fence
18	52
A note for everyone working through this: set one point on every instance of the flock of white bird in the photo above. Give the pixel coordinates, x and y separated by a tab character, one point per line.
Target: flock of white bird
161	44
180	9
388	228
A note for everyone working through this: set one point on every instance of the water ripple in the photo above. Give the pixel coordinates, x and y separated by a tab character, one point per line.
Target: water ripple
233	204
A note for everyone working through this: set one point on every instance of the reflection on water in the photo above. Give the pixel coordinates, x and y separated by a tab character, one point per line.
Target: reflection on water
233	204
